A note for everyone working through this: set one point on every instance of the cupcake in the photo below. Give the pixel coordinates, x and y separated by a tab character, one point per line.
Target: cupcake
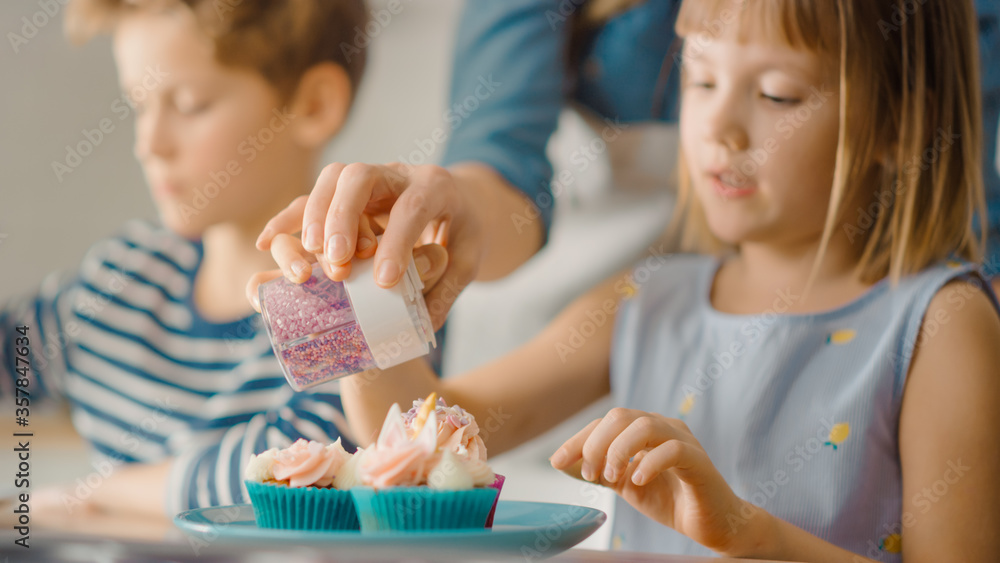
408	481
457	431
296	488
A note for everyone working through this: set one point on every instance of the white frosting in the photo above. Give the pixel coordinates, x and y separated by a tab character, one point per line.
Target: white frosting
481	473
450	474
350	472
260	466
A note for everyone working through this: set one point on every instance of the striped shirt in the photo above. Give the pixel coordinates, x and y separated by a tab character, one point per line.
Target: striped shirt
146	378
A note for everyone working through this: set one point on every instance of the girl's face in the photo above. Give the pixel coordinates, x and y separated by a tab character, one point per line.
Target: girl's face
214	142
759	136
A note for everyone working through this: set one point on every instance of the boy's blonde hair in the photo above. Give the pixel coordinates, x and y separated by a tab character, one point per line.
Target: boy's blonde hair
910	123
281	39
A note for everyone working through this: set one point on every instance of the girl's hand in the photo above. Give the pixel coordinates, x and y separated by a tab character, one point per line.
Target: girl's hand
657	466
423	205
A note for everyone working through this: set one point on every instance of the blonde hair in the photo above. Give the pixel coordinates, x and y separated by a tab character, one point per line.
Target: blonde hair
908	77
281	40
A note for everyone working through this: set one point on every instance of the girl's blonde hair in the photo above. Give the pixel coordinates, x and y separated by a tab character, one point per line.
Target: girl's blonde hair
910	136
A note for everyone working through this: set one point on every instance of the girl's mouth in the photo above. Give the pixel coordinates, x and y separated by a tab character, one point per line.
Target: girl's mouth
731	186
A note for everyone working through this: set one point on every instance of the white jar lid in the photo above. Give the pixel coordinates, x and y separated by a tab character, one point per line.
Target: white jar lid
394	321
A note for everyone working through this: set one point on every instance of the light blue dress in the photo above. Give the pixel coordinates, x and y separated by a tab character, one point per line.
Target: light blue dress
800	413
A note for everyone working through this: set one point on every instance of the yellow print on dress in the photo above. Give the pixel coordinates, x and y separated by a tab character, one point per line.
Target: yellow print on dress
893	543
841	336
687	405
838	434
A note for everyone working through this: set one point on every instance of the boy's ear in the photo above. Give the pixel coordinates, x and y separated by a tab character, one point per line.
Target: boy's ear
320	104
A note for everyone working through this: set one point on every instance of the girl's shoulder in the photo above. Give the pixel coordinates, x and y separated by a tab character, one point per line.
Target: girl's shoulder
957	293
935	287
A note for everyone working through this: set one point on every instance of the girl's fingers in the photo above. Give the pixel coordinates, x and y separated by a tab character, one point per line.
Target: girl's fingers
318	205
595	450
291	257
253	286
572	450
286	221
684	458
644	432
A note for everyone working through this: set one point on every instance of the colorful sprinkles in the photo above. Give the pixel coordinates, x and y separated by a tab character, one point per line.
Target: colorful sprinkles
313	330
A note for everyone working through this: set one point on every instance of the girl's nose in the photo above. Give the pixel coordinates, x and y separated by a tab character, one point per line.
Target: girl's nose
724	122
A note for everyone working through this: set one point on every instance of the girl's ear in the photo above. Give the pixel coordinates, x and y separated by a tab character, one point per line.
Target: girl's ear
320	104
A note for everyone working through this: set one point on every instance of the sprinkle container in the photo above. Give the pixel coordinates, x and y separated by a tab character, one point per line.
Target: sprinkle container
322	330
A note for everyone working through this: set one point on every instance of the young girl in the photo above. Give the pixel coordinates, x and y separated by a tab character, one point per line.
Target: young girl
823	387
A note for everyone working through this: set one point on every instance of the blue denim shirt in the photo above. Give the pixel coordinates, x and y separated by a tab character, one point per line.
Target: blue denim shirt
509	84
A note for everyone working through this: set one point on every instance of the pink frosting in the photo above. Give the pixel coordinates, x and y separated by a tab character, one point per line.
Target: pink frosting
456	429
451	436
397	461
406	466
309	463
400	459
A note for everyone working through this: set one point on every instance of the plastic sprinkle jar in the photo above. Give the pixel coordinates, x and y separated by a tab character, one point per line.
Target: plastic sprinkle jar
322	330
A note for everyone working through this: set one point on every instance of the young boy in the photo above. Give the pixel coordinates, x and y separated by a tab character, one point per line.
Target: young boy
165	367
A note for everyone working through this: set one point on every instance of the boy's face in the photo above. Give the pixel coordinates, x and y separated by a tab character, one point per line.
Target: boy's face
214	142
759	136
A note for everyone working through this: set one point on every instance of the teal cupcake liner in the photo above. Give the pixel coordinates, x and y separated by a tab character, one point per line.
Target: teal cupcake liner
421	508
301	508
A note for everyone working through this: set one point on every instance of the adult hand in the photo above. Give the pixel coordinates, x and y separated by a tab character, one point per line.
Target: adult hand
431	261
423	204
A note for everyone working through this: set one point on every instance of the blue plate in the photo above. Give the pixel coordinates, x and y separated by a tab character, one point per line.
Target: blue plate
525	529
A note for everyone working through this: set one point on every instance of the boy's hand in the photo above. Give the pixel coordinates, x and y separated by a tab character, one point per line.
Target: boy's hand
657	466
423	205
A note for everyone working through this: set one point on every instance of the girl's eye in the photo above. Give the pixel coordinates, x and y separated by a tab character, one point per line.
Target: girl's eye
781	101
700	84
